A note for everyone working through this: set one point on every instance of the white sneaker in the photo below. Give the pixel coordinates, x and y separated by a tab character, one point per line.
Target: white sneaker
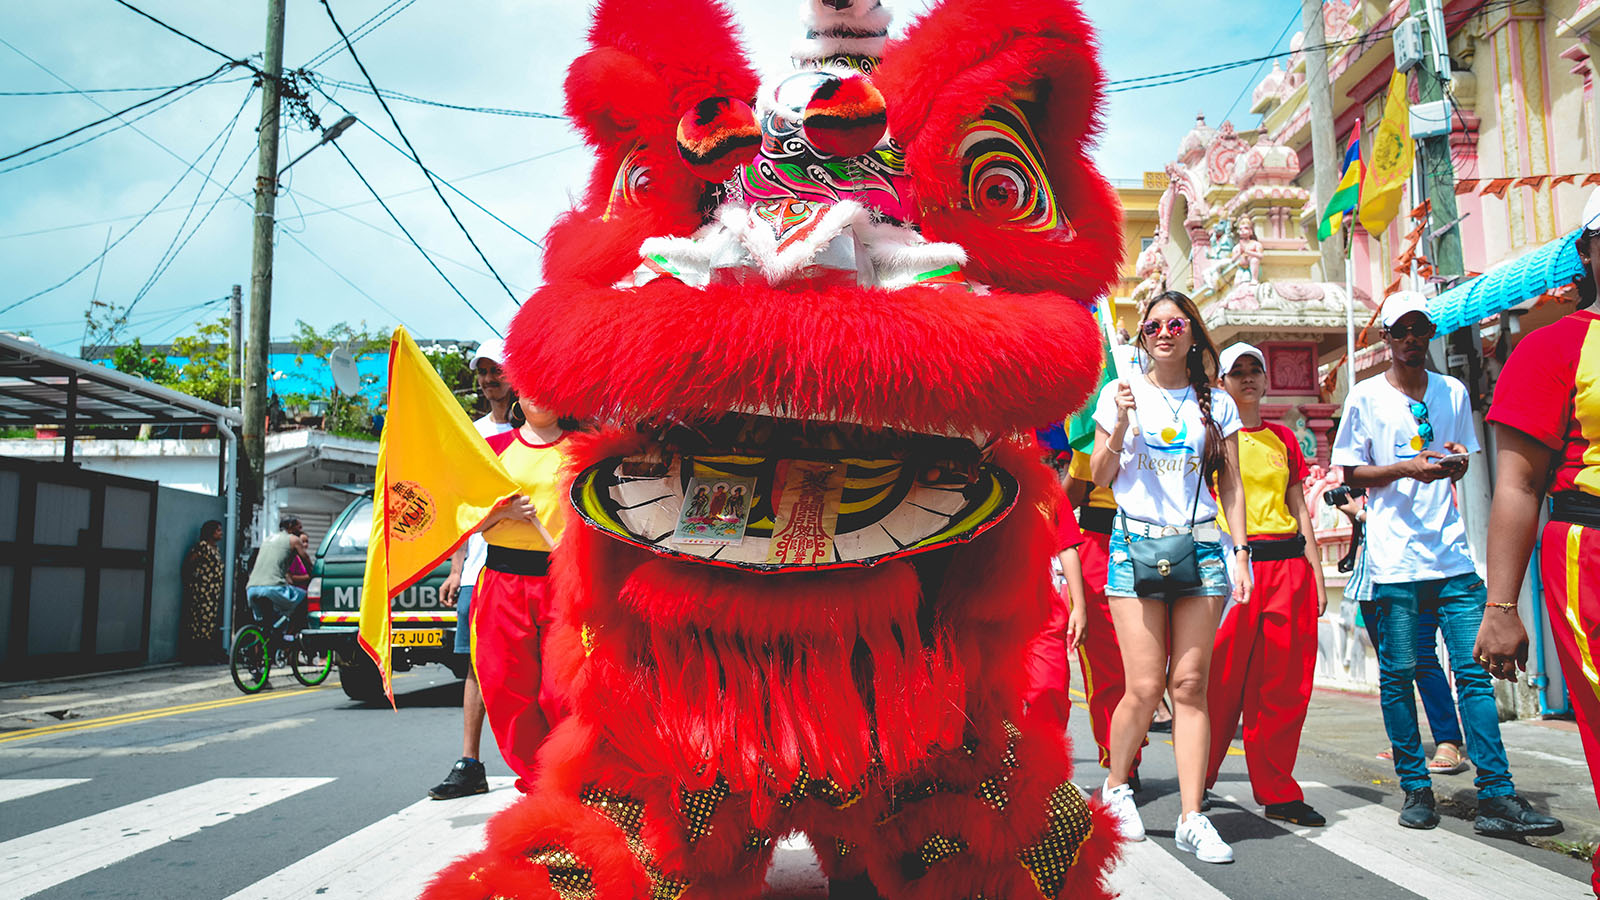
1196	835
1119	802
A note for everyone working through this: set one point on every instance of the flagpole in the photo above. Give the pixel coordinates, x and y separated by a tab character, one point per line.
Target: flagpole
1350	304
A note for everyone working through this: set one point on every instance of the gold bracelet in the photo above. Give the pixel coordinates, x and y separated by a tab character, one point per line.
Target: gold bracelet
1505	606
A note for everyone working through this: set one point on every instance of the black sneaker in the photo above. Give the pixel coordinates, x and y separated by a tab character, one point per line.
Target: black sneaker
1419	811
1297	812
465	779
1206	799
1512	817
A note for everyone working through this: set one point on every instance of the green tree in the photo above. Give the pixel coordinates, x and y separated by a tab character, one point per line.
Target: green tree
347	415
450	361
202	373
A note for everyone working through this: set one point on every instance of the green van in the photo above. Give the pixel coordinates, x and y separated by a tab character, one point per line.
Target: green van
423	630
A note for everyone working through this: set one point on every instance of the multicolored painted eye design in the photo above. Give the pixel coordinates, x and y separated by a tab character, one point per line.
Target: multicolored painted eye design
1006	181
632	179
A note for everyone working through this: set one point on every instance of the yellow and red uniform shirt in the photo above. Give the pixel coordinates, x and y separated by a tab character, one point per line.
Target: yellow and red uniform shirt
1550	391
1099	497
537	468
1269	461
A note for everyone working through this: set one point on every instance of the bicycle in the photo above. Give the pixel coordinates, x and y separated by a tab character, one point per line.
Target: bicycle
257	647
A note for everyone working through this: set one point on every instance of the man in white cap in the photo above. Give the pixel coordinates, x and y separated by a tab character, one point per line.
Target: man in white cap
1546	415
1405	436
467	776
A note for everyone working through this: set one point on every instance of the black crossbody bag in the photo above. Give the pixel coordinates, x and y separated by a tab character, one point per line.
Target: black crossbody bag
1165	566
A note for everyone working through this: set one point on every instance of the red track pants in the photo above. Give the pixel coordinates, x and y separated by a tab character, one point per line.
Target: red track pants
511	614
1099	656
1261	669
1049	675
1570	567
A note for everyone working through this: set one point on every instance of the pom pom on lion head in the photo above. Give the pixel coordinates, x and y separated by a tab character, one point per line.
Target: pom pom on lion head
938	283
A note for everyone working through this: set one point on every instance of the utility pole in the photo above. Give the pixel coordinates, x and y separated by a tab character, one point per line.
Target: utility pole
1325	156
1433	153
235	342
255	376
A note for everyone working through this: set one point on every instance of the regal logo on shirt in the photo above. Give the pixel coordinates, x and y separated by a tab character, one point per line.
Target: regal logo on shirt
411	510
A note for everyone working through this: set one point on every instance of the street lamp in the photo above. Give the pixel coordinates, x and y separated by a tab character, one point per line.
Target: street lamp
332	133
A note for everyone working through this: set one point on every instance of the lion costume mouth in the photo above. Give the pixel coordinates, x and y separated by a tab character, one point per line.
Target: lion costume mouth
773	495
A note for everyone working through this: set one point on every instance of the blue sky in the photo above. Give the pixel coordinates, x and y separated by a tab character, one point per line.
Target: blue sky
57	214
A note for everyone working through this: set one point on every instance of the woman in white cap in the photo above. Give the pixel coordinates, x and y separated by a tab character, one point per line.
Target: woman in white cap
1546	415
1266	650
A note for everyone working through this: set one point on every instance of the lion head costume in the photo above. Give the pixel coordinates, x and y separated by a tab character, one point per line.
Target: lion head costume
816	315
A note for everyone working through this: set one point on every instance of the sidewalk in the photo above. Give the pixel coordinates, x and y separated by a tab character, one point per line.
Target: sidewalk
1345	731
30	704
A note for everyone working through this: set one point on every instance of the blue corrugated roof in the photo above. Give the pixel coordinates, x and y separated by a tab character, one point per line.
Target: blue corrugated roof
1497	290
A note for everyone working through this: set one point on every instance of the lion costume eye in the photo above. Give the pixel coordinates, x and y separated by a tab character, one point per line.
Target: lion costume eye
1006	181
631	181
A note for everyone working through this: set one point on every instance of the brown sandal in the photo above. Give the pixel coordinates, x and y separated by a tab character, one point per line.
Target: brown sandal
1447	760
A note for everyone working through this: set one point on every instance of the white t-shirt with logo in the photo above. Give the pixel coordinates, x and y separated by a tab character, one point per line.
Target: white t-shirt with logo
1162	451
1413	529
477	547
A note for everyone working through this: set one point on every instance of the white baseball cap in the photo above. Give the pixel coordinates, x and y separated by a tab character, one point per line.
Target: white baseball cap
1591	212
1231	355
1402	303
494	350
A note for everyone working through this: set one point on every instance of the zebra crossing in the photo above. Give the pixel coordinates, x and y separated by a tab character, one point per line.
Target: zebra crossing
393	857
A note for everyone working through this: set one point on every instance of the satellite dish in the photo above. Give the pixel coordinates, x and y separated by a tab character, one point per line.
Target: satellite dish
345	377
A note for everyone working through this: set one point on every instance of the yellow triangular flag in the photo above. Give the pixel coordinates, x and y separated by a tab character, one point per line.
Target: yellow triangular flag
437	481
1391	161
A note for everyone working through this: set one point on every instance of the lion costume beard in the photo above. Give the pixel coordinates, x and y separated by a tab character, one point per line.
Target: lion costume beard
884	282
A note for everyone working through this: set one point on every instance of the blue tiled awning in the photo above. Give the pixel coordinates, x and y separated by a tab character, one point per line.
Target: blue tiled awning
1552	266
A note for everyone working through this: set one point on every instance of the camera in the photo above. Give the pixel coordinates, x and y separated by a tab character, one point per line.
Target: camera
1342	494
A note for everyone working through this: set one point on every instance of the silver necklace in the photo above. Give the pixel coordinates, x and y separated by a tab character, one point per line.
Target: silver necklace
1168	400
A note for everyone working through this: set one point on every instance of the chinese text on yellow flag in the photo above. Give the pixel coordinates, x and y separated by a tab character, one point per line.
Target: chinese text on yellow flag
437	480
1390	164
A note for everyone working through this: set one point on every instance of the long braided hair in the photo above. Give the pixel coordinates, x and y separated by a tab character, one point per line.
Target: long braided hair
1200	362
1587	244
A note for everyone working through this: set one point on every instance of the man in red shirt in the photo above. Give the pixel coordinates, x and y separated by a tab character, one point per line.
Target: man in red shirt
1049	675
1546	414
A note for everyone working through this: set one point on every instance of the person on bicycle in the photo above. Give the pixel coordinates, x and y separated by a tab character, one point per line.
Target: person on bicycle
274	599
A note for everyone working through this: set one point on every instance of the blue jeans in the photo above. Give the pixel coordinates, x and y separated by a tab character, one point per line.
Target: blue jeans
1437	702
275	603
1458	604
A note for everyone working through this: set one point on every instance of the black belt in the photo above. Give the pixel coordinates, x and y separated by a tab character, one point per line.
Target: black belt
1097	519
518	562
1278	549
1576	508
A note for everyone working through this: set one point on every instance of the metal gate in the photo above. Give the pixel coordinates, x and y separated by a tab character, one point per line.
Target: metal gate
76	557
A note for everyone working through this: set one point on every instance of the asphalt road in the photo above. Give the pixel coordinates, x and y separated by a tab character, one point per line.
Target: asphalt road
301	792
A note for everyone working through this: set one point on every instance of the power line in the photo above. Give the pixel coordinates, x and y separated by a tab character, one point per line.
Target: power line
125	123
481	208
413	241
1251	81
111	90
118	114
415	157
188	37
341	276
174	247
146	315
396	95
360	32
101	255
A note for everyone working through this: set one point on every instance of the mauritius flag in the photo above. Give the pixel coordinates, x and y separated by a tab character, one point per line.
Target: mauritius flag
1348	194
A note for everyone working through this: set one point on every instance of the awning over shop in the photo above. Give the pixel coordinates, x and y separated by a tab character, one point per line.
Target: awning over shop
1507	285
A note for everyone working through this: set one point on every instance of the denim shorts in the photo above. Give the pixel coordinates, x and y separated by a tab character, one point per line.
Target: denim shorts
1213	569
464	620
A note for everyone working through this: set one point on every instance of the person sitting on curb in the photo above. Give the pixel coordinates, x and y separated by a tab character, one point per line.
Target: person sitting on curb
1405	435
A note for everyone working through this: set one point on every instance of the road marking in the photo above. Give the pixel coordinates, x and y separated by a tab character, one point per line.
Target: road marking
1147	870
45	751
17	788
50	857
146	715
394	856
795	873
1433	863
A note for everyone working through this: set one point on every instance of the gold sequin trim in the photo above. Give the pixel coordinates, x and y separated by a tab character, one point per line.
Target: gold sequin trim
992	791
842	847
699	807
569	877
628	815
1068	826
900	798
936	849
586	637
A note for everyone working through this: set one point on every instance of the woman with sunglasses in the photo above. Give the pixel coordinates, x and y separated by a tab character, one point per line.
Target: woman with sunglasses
1160	438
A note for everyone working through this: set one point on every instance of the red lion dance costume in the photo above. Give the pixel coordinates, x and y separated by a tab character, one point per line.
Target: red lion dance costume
822	311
